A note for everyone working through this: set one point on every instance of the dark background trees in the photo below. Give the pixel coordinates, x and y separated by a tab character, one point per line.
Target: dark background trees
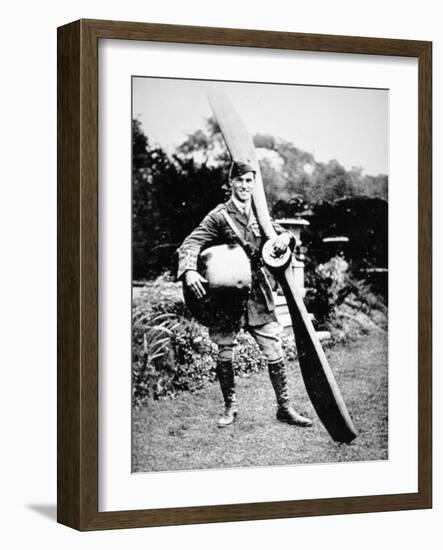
171	195
173	192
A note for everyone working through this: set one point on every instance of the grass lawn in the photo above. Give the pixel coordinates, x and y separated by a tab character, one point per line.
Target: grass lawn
181	434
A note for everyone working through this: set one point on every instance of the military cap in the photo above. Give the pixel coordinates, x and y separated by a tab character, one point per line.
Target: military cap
240	167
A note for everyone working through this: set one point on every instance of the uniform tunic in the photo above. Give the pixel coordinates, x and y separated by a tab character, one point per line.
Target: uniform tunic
215	230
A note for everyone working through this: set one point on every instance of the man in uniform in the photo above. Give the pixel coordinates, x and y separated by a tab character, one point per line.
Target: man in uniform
259	319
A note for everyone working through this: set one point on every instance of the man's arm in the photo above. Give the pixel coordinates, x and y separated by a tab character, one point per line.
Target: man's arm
202	236
284	238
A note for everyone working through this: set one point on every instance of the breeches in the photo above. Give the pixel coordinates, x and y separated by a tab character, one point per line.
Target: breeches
267	337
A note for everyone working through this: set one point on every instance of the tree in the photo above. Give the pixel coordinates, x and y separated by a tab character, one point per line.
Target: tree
171	195
364	220
205	146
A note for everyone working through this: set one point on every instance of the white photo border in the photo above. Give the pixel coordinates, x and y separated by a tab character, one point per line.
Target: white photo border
119	489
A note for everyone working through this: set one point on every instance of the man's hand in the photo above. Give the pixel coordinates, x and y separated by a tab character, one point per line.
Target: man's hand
281	243
194	281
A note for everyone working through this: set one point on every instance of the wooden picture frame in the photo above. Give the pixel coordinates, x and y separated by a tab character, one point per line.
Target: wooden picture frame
77	456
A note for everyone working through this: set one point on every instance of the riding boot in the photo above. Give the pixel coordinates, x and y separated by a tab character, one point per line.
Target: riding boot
225	375
285	413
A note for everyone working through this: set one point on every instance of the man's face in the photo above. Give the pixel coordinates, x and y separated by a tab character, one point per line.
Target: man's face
242	186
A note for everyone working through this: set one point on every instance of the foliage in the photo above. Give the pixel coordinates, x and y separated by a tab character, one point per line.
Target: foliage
171	351
205	147
155	317
171	195
248	359
155	333
363	220
293	208
298	174
342	304
192	358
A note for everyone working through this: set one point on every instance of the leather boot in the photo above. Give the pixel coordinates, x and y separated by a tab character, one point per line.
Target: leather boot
225	375
285	413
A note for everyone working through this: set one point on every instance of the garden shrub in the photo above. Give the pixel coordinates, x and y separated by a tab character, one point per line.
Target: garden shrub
172	352
188	358
345	306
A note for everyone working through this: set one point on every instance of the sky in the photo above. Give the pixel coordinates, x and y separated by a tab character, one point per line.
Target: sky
350	125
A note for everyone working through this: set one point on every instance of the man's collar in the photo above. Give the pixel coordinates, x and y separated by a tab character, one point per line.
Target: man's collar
243	208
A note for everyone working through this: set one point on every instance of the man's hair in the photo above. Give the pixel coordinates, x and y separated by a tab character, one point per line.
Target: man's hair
239	168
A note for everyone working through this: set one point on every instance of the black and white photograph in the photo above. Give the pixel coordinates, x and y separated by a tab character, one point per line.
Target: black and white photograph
259	274
177	380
